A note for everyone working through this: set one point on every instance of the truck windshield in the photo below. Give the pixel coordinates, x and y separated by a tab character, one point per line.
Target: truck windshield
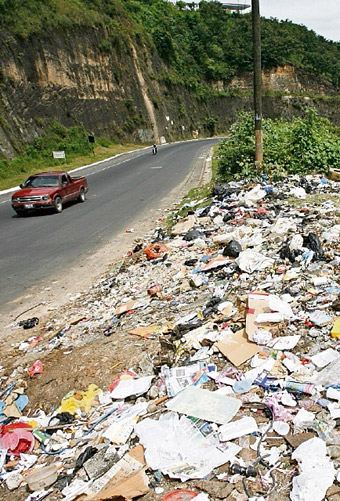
41	182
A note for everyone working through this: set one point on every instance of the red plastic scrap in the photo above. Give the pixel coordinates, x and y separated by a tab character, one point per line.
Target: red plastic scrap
17	438
124	375
35	341
155	251
37	368
180	495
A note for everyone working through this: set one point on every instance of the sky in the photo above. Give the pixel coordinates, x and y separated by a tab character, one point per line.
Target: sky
321	16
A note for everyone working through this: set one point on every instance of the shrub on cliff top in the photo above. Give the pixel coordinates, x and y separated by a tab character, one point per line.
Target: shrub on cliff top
302	146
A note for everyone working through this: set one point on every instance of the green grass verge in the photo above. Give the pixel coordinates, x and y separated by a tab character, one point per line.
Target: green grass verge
315	200
14	178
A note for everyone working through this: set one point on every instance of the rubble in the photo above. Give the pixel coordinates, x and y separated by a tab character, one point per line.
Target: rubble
226	362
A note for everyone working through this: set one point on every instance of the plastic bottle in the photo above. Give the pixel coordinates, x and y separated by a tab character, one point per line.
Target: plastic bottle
300	387
152	291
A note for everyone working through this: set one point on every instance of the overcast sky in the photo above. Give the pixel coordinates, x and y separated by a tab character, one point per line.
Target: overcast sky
321	16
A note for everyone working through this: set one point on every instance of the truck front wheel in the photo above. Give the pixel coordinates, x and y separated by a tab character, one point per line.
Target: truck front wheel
82	196
58	205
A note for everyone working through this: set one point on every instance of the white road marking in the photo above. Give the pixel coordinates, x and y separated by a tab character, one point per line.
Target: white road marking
157	167
110	166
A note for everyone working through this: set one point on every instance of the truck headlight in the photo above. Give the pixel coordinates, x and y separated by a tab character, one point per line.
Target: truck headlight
15	199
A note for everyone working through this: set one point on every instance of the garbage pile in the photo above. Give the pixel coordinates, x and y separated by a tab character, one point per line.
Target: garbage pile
241	399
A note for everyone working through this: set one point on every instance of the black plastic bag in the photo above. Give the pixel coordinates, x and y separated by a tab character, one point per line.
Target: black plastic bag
227	217
233	249
190	262
211	307
286	253
312	242
29	323
84	456
221	191
64	417
192	235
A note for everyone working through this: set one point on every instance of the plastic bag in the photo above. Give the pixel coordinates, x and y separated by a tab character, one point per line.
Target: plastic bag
29	323
192	235
75	400
155	251
249	261
312	242
37	368
17	438
233	249
328	376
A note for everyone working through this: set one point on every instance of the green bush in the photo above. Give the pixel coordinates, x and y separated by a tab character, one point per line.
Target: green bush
210	125
72	140
57	137
302	146
103	141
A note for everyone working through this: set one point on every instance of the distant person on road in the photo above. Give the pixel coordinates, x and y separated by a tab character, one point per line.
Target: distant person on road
154	149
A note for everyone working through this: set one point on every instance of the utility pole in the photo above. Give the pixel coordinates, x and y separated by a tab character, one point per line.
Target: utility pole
255	12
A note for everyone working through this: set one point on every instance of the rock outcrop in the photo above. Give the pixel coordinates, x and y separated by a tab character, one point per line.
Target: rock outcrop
72	77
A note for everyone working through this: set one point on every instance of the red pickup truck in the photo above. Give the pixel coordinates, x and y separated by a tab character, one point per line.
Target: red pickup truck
48	190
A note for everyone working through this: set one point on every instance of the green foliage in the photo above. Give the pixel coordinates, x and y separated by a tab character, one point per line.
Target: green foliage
198	45
210	125
129	104
315	142
103	141
132	123
211	44
57	137
104	45
302	146
24	18
72	140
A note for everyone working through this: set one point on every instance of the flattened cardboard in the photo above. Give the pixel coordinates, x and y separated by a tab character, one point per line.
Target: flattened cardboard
216	263
128	488
126	479
237	348
131	305
145	332
184	225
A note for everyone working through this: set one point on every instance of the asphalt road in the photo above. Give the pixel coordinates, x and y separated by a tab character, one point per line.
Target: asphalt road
34	248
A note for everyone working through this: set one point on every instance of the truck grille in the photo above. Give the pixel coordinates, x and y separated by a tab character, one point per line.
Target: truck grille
29	199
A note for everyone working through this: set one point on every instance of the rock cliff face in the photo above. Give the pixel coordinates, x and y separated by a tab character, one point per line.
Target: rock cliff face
74	78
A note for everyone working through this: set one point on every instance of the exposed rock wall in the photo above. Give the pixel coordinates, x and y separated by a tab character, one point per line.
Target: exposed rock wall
67	76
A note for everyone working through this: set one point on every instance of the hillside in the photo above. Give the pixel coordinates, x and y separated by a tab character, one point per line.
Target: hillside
138	70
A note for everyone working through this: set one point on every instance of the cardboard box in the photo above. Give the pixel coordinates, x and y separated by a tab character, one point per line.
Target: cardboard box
257	303
237	348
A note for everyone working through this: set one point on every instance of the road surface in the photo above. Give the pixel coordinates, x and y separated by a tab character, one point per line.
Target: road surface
38	247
